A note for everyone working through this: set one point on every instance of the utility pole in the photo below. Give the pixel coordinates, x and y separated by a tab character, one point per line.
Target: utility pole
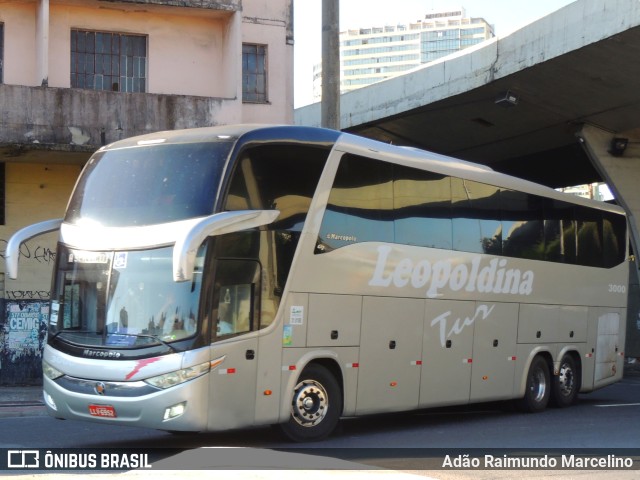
330	105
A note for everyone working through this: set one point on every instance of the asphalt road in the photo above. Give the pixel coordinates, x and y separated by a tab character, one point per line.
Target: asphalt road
415	442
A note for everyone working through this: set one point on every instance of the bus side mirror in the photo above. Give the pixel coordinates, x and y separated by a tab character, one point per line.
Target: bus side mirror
12	251
187	243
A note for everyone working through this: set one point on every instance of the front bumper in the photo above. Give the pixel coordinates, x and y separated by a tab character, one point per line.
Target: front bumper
129	403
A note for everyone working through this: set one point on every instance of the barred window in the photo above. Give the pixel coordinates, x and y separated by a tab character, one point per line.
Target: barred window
254	73
108	61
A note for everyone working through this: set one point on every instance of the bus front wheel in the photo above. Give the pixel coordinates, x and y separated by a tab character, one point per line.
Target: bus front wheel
316	405
538	389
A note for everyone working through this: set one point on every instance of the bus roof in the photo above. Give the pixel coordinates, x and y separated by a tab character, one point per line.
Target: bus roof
346	142
246	132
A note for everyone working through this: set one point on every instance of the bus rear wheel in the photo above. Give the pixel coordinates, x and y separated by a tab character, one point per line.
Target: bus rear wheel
566	384
538	389
316	405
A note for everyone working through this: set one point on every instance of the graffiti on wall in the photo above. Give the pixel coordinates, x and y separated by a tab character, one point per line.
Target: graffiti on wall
40	254
27	294
22	335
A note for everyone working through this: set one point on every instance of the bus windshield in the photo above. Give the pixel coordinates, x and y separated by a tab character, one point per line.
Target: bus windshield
122	299
148	185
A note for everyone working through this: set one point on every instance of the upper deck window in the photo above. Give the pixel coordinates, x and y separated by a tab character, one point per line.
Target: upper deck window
282	177
108	61
374	201
149	185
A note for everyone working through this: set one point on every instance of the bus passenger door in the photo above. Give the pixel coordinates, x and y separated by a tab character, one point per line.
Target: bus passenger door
390	349
494	351
447	353
234	351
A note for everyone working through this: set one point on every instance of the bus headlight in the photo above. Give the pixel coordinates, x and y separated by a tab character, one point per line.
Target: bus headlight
50	372
179	376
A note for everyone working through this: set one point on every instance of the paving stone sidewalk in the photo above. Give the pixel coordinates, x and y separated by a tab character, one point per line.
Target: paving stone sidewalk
21	401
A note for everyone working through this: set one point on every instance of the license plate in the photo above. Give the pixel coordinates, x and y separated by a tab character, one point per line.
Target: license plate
102	411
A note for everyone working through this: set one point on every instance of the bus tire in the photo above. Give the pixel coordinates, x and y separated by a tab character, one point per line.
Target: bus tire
538	387
566	384
316	405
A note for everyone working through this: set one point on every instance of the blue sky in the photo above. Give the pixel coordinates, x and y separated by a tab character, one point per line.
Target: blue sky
505	15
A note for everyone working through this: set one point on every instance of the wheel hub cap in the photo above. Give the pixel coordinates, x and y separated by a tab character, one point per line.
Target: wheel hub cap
310	403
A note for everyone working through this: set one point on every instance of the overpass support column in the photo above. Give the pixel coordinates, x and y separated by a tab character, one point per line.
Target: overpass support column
621	171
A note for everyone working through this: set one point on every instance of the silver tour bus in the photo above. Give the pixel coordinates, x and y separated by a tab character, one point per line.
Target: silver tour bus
226	277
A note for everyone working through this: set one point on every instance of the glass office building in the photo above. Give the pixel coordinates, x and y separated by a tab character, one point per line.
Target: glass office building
369	55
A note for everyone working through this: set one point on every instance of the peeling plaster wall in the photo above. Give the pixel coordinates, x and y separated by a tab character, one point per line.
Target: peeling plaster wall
65	116
19	43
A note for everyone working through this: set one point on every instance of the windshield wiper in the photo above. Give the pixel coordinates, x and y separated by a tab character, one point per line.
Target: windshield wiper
71	330
52	336
154	337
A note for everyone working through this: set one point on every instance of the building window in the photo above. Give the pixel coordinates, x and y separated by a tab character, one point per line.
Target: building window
1	52
254	73
108	61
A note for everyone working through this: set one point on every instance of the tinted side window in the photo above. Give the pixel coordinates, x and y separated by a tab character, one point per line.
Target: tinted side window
583	236
360	205
614	239
476	217
465	224
382	202
522	225
236	297
282	177
589	237
559	232
422	204
486	201
237	264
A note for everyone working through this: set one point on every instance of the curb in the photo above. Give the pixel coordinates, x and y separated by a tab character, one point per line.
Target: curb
22	410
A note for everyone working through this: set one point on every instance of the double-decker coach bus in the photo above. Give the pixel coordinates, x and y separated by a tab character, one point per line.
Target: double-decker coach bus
227	277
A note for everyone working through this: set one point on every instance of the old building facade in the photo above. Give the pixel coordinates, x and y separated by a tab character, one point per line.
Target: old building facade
75	75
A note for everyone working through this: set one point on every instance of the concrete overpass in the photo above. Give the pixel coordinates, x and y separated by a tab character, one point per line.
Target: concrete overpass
574	79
